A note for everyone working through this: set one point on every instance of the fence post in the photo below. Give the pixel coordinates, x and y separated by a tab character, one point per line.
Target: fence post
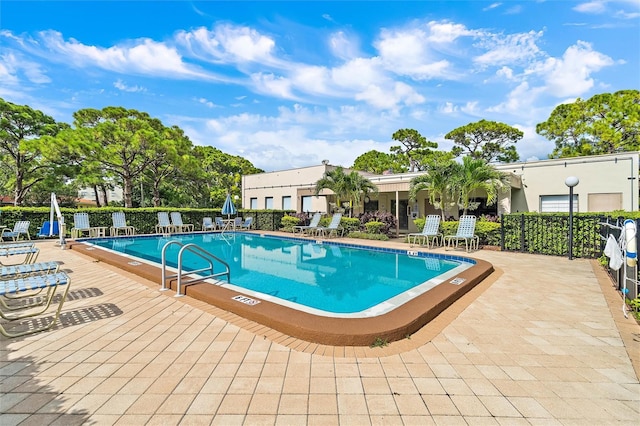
522	233
502	233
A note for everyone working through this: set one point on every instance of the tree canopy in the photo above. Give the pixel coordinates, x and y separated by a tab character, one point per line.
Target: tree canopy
378	162
603	124
21	159
415	148
487	140
351	187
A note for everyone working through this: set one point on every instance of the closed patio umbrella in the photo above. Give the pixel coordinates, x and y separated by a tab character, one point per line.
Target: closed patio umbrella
228	207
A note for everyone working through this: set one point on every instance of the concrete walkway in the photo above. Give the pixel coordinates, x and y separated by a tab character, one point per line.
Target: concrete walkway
537	343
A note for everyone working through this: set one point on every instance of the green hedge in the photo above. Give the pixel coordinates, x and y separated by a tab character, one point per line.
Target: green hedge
143	219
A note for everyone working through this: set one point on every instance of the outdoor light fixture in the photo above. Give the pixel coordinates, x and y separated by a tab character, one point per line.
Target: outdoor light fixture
571	181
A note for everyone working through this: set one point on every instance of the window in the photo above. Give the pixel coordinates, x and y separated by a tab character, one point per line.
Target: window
557	203
306	203
253	203
286	202
268	203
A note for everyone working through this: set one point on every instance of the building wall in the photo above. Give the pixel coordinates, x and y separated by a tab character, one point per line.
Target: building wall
604	180
294	183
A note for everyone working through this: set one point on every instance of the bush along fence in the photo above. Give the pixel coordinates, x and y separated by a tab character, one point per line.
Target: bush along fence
549	234
143	219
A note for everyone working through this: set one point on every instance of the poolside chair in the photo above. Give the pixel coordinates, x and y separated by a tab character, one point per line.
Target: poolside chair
20	228
219	222
247	223
81	226
465	232
237	222
119	221
311	228
207	224
164	225
17	287
332	228
22	248
45	229
176	220
430	233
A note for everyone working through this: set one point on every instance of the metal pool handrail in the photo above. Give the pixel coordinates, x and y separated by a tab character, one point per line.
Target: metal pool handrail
198	251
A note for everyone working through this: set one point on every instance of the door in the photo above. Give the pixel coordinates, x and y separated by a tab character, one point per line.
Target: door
403	219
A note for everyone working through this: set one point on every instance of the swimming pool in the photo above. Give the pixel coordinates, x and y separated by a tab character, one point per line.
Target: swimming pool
269	314
323	278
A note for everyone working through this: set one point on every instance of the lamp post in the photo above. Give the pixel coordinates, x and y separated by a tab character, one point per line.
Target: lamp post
571	181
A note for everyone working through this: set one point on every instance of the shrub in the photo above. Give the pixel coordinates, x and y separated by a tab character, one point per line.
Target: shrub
374	227
388	220
288	222
367	236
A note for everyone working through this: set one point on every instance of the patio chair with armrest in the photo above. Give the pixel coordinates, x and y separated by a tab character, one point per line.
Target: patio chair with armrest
333	228
465	232
219	221
20	228
430	232
208	224
164	225
51	282
311	227
179	225
247	223
81	226
119	223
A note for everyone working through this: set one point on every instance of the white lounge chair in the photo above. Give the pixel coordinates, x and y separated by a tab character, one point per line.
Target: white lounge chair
20	228
81	225
247	223
311	227
164	225
208	224
430	232
333	227
465	232
179	225
17	287
219	223
120	224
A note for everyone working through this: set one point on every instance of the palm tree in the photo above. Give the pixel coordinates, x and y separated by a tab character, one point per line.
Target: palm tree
476	173
439	181
349	187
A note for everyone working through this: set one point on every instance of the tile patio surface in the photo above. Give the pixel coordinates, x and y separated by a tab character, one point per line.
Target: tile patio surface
540	342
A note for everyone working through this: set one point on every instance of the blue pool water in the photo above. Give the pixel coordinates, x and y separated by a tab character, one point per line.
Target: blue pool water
332	278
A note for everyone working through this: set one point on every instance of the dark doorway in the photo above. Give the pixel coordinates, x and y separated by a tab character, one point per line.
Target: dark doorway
403	220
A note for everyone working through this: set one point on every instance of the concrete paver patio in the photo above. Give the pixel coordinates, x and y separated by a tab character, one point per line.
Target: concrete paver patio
540	342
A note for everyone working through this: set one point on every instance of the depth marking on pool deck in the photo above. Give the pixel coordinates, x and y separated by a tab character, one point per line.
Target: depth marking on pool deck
457	281
246	300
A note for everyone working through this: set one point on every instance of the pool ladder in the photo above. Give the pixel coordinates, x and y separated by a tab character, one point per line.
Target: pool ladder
198	251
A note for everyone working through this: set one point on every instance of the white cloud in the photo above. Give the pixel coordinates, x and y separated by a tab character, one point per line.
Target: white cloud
448	108
13	65
343	46
142	56
519	101
571	74
228	44
119	84
505	73
592	7
514	48
407	53
491	6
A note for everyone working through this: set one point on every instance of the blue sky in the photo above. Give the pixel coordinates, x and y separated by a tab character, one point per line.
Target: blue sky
289	84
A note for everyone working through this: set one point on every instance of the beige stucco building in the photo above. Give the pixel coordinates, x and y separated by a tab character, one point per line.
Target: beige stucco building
606	183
